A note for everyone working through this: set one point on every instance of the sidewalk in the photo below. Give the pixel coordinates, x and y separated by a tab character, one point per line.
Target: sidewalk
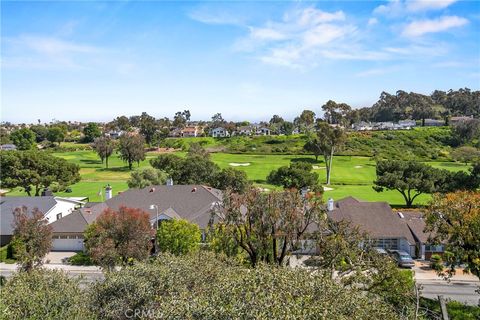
64	267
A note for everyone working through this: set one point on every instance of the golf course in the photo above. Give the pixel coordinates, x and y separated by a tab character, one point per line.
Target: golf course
351	175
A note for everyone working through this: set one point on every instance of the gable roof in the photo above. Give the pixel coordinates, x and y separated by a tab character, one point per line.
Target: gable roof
9	204
375	218
416	224
190	202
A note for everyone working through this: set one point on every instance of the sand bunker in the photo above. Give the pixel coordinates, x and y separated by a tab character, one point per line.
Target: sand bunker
358	167
317	167
234	164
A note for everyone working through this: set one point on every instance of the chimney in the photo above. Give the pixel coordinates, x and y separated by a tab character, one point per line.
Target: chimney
108	192
330	204
169	182
47	192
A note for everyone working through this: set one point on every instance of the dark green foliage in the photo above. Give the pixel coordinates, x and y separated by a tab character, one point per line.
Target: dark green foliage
91	132
80	259
148	127
43	294
132	149
231	178
201	286
24	139
456	310
35	170
56	134
298	175
41	132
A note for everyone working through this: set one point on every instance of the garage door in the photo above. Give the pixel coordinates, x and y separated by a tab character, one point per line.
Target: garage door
67	243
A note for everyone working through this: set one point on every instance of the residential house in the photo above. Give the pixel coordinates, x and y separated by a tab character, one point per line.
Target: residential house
384	227
191	131
219	132
362	126
262	131
434	123
416	223
8	147
191	202
115	134
53	209
245	131
406	124
455	120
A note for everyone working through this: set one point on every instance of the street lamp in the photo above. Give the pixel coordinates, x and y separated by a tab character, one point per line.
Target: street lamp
154	206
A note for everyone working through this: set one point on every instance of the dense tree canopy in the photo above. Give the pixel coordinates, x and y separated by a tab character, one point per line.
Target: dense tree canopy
118	237
145	177
132	149
104	147
24	139
268	226
454	219
298	175
178	236
32	237
35	170
56	134
148	127
91	132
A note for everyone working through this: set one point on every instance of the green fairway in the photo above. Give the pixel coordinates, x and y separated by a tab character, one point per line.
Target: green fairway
351	175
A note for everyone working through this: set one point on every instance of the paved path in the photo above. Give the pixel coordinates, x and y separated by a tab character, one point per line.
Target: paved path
461	287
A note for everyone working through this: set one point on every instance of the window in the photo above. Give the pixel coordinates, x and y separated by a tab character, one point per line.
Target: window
59	215
55	237
387	243
433	248
63	237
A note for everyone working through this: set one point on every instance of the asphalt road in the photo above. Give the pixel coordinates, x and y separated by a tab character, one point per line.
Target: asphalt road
461	291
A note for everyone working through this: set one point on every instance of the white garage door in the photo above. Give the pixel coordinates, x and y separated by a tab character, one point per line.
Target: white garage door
67	243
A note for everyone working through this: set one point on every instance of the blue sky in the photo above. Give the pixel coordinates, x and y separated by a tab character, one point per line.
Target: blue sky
248	60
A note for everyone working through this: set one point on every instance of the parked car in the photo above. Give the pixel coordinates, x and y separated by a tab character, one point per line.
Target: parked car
403	259
381	251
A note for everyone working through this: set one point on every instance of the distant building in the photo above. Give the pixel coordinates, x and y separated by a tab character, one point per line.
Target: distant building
245	130
455	120
219	132
191	131
8	146
434	123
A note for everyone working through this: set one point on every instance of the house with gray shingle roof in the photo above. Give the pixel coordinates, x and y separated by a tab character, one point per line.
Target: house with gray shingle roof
53	209
190	202
385	227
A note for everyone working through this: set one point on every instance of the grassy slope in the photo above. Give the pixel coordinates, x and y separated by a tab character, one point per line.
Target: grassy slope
351	175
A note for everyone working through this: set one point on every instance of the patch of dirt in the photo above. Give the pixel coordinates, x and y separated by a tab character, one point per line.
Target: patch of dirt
163	150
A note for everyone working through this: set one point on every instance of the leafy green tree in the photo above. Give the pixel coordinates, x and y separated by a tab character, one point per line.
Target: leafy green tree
305	120
181	118
454	220
91	132
34	171
336	113
467	131
56	134
230	178
145	177
178	236
205	286
4	136
168	163
410	178
122	123
326	141
44	294
32	238
196	149
119	237
132	149
268	226
298	175
24	139
286	128
466	154
104	147
148	127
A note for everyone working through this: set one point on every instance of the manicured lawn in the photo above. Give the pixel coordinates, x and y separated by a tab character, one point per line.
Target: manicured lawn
351	175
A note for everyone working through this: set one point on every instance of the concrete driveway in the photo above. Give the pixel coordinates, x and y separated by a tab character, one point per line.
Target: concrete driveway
58	257
461	287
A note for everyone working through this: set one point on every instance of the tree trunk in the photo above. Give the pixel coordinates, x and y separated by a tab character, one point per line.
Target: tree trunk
130	164
106	162
423	122
329	167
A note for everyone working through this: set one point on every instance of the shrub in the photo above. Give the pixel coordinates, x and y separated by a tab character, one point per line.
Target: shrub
80	259
178	236
43	294
201	286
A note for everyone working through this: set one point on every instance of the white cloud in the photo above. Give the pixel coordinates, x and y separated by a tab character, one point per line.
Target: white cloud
424	5
402	7
372	21
421	27
267	34
50	45
376	72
